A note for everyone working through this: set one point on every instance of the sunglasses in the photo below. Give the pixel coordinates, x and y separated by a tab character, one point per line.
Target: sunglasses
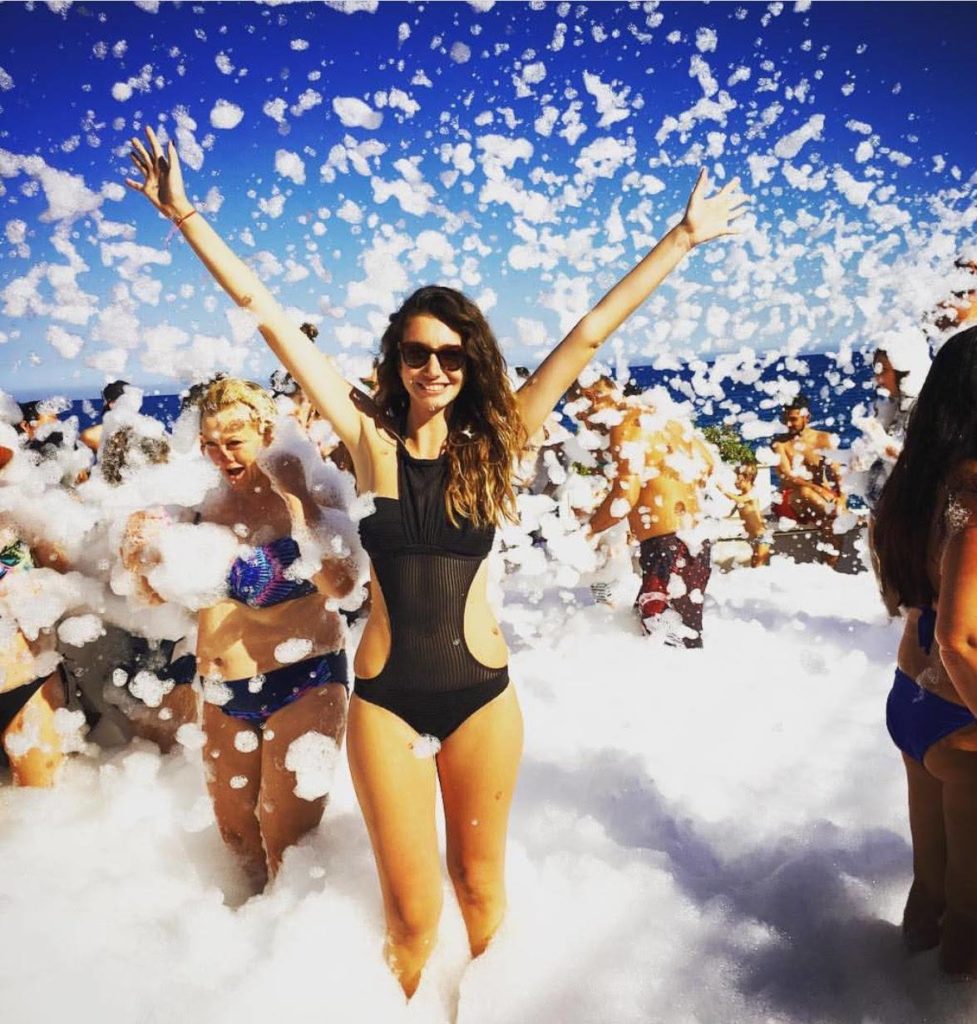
415	355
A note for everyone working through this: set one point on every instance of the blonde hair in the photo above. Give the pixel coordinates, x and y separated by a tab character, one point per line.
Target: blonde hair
228	391
485	433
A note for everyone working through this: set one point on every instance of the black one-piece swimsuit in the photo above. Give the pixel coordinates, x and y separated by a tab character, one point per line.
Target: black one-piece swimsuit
425	567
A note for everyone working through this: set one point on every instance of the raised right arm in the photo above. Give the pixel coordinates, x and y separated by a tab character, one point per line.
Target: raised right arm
162	185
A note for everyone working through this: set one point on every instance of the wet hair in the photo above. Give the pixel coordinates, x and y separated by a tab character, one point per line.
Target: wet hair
120	446
800	402
941	433
485	433
29	411
111	393
222	394
192	397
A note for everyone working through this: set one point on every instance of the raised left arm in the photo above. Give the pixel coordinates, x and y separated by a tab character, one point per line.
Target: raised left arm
704	219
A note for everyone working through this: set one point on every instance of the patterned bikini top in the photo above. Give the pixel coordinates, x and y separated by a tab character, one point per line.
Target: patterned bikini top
15	557
261	578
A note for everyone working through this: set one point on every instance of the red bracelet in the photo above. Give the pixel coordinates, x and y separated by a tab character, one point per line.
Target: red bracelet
186	216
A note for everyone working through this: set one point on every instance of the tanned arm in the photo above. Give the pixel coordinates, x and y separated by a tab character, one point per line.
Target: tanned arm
704	219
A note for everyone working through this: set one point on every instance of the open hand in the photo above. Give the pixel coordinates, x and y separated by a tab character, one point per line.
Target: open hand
712	217
162	182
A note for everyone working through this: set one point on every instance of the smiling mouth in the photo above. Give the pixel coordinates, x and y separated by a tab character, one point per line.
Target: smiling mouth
431	389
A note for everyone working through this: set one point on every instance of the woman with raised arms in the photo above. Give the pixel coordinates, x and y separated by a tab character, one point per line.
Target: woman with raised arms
436	447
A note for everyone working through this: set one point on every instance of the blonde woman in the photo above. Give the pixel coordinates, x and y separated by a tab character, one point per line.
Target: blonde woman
270	653
436	447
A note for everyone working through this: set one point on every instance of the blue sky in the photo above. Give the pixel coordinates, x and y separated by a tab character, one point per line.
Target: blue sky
528	153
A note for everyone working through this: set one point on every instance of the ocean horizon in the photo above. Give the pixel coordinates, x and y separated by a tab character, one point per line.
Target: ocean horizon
833	393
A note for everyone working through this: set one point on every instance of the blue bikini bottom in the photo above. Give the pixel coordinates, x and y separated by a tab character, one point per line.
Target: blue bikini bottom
257	699
917	718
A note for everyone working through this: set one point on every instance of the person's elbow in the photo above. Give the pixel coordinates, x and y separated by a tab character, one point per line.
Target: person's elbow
590	331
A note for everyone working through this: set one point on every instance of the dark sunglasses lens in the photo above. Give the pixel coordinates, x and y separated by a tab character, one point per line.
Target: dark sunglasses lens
414	355
451	359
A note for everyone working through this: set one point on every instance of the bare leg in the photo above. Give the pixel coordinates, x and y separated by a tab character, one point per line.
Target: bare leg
160	725
756	528
284	816
34	725
924	907
957	770
396	791
233	780
478	765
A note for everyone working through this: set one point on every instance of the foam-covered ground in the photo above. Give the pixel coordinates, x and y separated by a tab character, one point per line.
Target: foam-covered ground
697	836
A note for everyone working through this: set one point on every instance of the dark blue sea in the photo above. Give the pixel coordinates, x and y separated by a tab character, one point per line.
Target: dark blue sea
833	390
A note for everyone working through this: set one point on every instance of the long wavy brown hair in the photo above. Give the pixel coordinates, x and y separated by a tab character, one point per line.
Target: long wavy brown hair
485	433
940	435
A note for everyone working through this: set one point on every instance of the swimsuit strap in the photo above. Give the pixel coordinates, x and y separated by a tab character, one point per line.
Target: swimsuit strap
926	628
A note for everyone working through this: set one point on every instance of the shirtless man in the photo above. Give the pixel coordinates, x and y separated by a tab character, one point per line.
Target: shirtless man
661	465
810	484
